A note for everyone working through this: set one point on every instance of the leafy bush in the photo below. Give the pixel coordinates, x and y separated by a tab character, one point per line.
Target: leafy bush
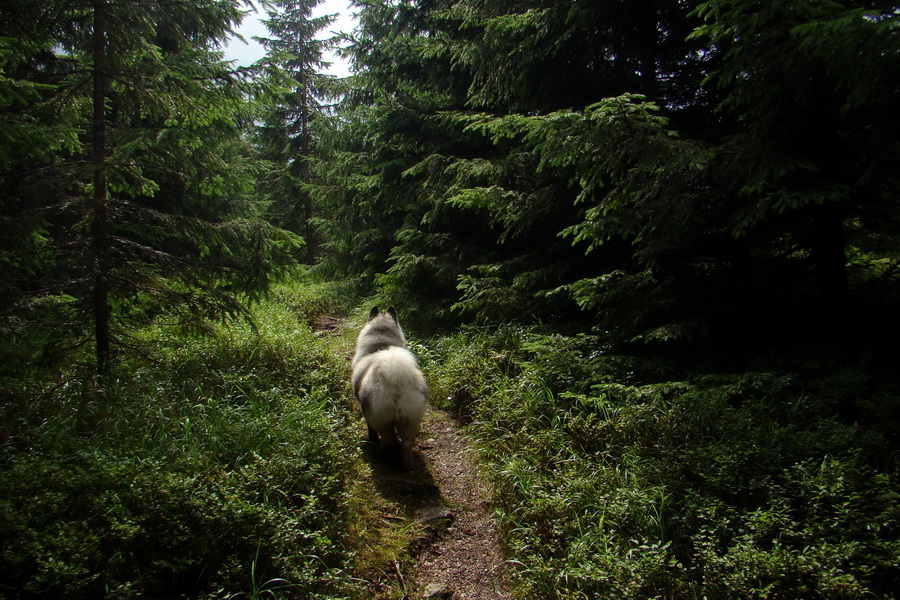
737	486
464	367
313	296
217	469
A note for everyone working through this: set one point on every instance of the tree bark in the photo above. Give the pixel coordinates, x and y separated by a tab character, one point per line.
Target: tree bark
100	228
305	149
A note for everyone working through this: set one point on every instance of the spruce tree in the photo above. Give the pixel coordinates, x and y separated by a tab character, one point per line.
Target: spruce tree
150	209
665	167
297	91
811	90
379	220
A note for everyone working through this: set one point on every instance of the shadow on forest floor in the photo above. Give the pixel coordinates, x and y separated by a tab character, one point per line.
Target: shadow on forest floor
456	550
415	492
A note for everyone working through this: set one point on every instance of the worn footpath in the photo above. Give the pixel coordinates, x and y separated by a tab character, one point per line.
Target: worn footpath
456	553
465	561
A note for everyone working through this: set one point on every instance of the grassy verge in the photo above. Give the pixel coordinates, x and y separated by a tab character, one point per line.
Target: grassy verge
219	468
227	466
614	482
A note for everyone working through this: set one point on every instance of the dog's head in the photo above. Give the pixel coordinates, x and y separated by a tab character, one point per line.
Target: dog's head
382	330
391	312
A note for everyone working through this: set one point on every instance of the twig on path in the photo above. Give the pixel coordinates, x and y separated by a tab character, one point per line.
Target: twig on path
400	576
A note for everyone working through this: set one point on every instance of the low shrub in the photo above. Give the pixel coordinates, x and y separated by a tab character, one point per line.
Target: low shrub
610	484
218	469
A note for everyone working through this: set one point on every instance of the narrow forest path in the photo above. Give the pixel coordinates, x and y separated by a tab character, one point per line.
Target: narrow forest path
456	552
466	561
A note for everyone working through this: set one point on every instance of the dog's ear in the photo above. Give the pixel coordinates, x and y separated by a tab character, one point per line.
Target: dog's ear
393	312
373	313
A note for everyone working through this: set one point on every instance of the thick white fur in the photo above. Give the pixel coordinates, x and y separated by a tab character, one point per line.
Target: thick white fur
389	385
393	386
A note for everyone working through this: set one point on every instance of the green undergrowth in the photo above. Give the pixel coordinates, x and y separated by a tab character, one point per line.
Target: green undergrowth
613	481
228	466
214	467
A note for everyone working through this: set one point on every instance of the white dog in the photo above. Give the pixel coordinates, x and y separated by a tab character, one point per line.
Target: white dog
388	384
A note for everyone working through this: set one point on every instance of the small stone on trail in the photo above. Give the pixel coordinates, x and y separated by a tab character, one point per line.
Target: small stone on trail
434	513
437	591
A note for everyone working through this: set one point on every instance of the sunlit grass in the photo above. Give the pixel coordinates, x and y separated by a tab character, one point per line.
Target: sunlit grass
218	465
228	465
612	486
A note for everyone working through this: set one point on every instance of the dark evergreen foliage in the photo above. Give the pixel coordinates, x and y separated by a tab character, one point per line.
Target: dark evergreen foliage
293	101
126	172
664	167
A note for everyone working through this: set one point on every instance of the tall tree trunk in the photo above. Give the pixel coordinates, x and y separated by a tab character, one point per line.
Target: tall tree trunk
829	252
100	229
305	149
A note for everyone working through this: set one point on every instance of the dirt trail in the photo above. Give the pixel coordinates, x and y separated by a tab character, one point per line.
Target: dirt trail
465	561
457	554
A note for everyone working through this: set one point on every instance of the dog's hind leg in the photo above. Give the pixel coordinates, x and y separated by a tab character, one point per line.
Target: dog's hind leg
388	438
408	430
365	402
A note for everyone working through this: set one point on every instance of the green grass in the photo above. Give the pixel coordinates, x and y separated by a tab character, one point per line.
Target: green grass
222	467
612	482
228	466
